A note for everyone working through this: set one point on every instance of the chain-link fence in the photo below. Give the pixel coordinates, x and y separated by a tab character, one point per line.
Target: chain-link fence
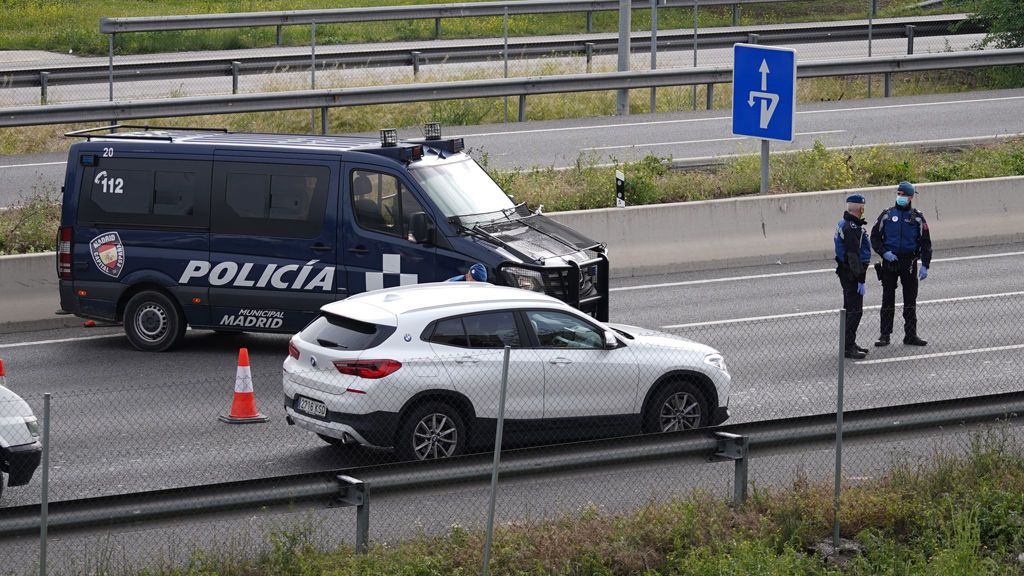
437	392
383	53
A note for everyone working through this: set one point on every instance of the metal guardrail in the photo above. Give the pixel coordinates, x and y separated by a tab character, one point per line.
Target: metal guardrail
522	86
387	13
721	443
476	51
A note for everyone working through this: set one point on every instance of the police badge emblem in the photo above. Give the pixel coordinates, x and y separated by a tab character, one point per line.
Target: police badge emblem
108	253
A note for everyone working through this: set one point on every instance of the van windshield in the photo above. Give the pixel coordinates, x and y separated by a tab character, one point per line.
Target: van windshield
458	186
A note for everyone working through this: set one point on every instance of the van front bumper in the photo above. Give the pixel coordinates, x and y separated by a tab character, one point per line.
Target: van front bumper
22	462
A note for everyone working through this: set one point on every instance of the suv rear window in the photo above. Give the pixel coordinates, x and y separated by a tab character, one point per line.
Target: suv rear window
342	333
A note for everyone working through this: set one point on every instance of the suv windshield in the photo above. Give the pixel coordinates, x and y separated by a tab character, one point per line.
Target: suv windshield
458	186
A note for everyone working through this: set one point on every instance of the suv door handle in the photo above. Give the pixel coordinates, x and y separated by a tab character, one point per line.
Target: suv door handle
358	250
467	360
560	360
320	247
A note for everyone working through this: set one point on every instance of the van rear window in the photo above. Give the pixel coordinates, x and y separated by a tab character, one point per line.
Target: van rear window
342	333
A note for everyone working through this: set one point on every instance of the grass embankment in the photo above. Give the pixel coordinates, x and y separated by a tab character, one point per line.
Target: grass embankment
62	26
31	226
957	516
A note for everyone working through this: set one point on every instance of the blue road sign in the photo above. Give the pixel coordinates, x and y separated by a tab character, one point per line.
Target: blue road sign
763	92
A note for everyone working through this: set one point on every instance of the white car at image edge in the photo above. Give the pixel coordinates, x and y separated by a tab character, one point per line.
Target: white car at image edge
419	368
20	450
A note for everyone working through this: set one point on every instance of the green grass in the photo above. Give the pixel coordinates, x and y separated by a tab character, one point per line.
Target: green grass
954	516
63	25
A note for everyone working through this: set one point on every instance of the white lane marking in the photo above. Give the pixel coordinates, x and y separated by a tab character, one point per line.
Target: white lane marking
942	354
59	340
32	165
716	118
784	274
701	141
820	312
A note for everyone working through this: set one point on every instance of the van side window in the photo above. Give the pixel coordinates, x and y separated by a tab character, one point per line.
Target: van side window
382	204
270	200
164	193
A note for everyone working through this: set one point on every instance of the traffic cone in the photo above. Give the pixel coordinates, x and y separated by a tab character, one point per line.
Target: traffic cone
243	406
3	375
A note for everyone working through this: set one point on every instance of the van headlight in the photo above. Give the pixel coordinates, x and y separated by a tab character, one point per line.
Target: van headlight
716	360
523	278
33	426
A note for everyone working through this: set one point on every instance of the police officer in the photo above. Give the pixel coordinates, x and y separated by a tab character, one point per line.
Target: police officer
476	273
901	236
853	255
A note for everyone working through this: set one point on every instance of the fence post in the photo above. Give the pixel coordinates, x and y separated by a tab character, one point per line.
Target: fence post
625	26
696	13
504	57
110	65
235	70
839	428
44	81
497	461
45	495
312	72
910	38
590	56
654	51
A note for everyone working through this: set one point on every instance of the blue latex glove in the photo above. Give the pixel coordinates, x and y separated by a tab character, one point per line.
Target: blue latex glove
923	272
889	256
860	288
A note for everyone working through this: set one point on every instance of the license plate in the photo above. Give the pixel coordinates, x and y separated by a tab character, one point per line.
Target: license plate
311	407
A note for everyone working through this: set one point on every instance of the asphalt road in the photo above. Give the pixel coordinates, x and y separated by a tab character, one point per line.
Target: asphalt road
125	420
561	143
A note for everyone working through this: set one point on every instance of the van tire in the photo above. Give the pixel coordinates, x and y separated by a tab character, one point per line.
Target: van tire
153	321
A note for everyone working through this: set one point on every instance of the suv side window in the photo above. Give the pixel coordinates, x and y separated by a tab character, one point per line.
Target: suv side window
488	330
382	204
270	200
561	330
171	193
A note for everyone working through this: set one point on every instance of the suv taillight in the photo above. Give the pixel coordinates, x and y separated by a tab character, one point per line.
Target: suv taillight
371	369
64	241
292	350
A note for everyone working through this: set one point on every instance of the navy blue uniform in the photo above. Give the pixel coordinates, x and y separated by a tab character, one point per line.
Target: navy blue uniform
904	232
853	254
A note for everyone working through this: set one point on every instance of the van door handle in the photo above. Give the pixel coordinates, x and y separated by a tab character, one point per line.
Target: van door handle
358	250
560	360
320	247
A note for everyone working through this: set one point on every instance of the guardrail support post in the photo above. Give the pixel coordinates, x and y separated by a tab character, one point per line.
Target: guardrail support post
353	492
888	84
44	80
590	57
437	28
522	107
910	38
710	96
734	447
735	14
415	64
235	69
752	38
590	22
323	120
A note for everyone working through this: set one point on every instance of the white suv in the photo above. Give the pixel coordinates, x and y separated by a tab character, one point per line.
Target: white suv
419	368
20	449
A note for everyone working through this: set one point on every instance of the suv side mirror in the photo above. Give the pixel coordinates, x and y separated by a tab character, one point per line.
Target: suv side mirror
422	228
610	341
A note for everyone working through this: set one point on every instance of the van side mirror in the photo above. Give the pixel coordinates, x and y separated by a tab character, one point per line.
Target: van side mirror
610	341
422	228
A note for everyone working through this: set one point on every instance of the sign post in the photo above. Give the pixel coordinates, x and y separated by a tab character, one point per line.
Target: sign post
763	96
620	189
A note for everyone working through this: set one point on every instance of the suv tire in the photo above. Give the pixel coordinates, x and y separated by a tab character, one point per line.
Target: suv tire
153	321
432	430
677	406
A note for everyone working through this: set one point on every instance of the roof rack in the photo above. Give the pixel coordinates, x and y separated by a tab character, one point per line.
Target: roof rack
88	133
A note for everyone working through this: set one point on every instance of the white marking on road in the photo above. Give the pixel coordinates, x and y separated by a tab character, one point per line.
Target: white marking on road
821	312
32	165
59	340
702	141
784	274
943	354
729	118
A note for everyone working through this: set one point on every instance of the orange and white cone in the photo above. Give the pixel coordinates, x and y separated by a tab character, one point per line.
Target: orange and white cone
3	375
243	406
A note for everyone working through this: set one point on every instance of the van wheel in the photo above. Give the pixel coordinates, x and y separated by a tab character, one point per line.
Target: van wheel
153	322
431	431
677	406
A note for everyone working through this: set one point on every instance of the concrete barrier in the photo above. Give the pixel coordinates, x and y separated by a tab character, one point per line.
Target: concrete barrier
671	237
790	227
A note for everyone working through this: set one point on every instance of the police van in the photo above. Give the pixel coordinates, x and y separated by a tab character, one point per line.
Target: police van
163	228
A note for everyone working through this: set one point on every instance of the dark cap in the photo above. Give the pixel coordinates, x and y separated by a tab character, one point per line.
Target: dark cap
855	199
907	188
478	272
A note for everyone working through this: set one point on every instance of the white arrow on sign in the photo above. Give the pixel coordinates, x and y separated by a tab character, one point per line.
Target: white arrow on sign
769	101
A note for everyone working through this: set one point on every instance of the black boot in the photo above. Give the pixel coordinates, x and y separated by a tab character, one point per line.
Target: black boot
858	347
914	341
854	353
883	340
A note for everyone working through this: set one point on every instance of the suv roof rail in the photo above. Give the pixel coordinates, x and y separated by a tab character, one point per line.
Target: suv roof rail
111	132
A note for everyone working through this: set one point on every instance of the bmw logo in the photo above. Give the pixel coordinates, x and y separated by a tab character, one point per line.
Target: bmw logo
407	337
312	361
